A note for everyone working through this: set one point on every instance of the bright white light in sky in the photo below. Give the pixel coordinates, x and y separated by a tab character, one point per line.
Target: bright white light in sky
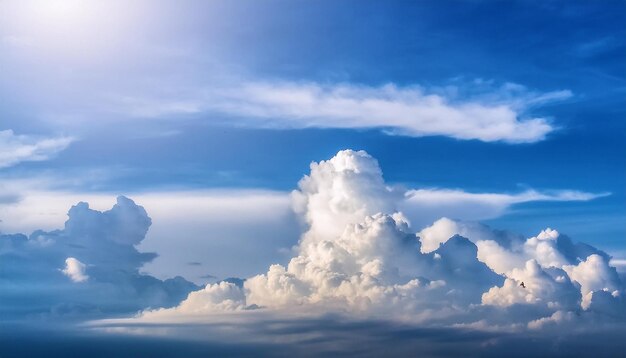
61	11
67	29
54	17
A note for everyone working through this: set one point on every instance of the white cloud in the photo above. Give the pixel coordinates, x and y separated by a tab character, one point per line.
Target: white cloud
443	229
222	296
557	317
20	148
257	226
340	191
594	274
359	256
544	248
503	251
498	115
75	270
548	264
408	111
423	206
532	285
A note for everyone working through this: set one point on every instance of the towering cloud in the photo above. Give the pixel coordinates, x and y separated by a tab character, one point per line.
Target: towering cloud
359	255
358	259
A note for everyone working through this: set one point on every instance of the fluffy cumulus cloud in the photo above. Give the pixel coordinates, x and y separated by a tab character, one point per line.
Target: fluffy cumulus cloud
358	262
20	148
360	257
90	268
75	270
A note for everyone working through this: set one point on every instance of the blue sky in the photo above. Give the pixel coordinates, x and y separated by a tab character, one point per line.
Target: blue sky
209	113
165	52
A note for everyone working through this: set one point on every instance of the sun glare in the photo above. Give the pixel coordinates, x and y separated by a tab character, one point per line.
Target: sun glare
55	15
68	29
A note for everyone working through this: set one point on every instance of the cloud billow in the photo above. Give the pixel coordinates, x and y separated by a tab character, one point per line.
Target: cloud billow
358	264
360	258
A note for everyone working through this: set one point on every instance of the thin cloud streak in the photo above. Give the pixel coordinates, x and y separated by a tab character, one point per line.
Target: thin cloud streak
15	149
423	206
492	116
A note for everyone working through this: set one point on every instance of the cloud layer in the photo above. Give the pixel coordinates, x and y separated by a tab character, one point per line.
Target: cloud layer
423	206
359	257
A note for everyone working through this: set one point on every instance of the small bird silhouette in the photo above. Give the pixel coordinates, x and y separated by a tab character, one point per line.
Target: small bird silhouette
522	284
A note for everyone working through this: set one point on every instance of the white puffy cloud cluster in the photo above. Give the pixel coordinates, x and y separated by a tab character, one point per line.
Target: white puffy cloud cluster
360	256
554	270
75	270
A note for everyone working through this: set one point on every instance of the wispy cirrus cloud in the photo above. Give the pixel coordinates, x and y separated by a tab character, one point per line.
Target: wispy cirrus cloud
483	112
15	149
427	205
